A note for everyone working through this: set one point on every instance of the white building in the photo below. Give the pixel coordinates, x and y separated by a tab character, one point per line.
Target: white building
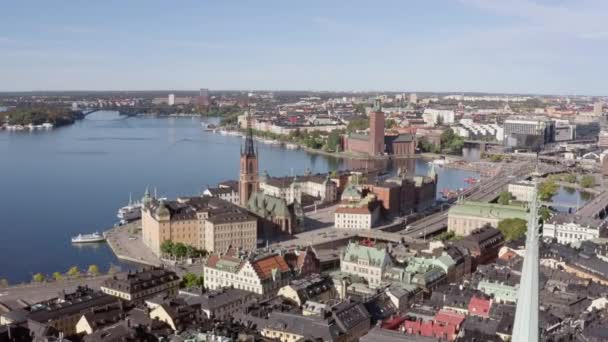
569	229
361	214
434	116
366	262
263	275
171	99
522	190
226	191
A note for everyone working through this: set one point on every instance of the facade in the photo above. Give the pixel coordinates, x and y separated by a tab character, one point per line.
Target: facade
366	262
401	144
373	143
463	218
227	191
220	304
569	229
136	286
529	133
202	222
483	245
248	179
314	287
522	190
263	275
362	214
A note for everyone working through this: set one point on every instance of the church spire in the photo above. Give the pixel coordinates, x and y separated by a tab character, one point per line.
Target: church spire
249	149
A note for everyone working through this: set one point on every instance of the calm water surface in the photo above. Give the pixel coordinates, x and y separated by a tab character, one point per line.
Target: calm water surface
56	184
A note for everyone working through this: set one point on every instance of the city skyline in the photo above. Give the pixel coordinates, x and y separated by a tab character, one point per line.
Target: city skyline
522	47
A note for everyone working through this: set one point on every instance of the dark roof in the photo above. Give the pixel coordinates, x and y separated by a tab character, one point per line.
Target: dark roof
311	327
384	335
215	299
78	302
135	281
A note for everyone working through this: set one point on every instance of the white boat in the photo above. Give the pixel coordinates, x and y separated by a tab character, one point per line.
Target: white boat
129	208
86	238
47	125
291	146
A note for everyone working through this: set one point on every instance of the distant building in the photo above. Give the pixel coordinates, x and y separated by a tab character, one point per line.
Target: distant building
357	213
522	190
434	117
171	99
529	133
136	286
598	108
372	143
463	218
319	186
570	229
227	191
413	98
203	98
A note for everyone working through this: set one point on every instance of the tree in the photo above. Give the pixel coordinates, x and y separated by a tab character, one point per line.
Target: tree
179	250
167	247
358	125
512	228
93	270
570	178
545	213
191	280
73	271
547	189
3	283
333	140
38	277
505	198
391	123
587	181
57	276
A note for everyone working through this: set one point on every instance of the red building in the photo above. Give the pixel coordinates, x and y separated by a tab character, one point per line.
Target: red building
479	307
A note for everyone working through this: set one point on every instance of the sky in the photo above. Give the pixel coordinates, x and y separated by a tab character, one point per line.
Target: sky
502	46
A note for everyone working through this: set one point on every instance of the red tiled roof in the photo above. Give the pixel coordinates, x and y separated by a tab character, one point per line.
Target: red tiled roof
264	267
449	317
479	307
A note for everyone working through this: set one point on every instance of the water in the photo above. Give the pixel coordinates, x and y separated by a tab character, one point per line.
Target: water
70	180
572	197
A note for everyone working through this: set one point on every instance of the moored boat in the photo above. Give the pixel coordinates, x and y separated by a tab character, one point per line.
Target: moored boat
87	238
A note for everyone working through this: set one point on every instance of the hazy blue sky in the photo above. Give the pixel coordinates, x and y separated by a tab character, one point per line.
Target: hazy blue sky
548	46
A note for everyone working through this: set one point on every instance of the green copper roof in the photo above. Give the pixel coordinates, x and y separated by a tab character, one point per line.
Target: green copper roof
266	205
489	210
373	255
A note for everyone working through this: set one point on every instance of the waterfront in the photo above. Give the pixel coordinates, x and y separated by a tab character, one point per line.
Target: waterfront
71	180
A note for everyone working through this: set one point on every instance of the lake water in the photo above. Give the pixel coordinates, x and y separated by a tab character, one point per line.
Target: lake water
572	197
58	183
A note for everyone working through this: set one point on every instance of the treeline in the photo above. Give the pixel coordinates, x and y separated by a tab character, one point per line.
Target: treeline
39	114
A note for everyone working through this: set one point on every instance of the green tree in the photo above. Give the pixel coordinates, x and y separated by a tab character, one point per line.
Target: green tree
333	140
93	270
512	228
505	198
3	283
74	271
547	189
391	123
587	181
496	158
570	178
191	280
167	247
179	250
545	213
38	277
57	276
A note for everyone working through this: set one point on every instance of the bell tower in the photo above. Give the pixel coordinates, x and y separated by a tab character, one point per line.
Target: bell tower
248	179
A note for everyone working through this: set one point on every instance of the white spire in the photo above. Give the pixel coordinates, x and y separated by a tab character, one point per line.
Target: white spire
525	328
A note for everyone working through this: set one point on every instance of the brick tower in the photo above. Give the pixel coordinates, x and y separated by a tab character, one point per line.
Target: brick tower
248	179
376	130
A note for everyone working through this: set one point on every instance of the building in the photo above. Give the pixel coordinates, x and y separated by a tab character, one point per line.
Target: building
372	143
522	190
171	100
136	286
361	214
303	261
319	186
571	229
598	108
369	263
434	117
202	222
220	304
203	98
176	313
227	191
276	212
483	245
500	292
400	144
529	133
467	216
248	179
263	274
314	287
61	313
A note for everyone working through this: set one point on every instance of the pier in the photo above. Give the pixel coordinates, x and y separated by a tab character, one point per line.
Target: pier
125	241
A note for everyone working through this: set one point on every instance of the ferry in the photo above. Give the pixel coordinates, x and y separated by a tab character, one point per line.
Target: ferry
128	209
86	238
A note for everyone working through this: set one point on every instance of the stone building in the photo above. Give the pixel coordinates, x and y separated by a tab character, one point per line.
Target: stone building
372	143
357	214
202	222
275	212
567	229
136	286
320	187
465	217
366	262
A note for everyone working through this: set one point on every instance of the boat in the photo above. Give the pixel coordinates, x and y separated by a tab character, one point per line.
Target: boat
87	238
471	180
439	162
291	146
128	209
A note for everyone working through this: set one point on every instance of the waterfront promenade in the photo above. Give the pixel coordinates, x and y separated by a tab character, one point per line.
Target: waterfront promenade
125	241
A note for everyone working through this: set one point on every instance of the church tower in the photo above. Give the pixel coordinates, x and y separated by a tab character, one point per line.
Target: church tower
248	179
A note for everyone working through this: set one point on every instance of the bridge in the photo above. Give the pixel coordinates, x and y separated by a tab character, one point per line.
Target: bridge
89	111
596	208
